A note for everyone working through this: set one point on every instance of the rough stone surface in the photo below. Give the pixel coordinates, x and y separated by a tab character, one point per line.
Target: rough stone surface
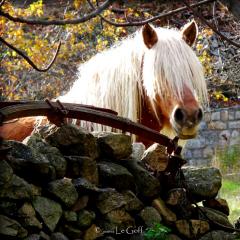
203	183
108	201
147	185
137	151
117	218
165	212
58	236
92	233
33	237
217	204
85	218
25	162
28	218
49	210
18	188
156	157
64	190
72	232
70	216
83	186
11	228
133	203
221	131
150	216
73	141
52	154
218	235
114	145
110	174
82	166
216	216
192	228
6	172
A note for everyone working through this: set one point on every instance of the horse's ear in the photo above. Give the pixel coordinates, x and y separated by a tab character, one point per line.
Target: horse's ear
149	36
190	32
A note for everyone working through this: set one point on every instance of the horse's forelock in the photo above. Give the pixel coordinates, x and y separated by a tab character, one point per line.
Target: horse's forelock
170	66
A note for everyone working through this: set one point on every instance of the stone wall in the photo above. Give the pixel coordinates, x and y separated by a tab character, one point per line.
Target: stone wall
64	183
220	129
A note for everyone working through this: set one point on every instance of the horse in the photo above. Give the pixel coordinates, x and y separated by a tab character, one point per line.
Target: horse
152	77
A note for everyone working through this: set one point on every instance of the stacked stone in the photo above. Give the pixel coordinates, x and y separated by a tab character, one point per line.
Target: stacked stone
66	183
219	130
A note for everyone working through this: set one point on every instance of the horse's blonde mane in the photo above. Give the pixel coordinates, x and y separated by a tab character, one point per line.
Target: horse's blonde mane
111	79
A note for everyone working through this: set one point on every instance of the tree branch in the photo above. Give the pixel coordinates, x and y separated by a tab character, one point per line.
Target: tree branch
85	18
28	59
195	13
142	22
2	2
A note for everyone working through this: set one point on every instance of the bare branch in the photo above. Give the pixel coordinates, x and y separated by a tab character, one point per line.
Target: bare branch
2	2
85	18
28	59
195	13
142	22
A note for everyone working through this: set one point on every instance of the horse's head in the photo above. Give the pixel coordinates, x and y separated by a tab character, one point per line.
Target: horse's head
173	78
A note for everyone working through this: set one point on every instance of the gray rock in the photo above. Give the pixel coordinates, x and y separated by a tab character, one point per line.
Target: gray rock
72	232
237	114
117	220
64	190
108	201
217	125
218	235
92	233
196	143
150	216
72	141
234	124
133	203
8	208
83	186
203	183
216	216
58	236
11	228
28	164
52	154
70	216
6	172
85	218
33	237
173	237
110	173
85	167
147	185
138	149
18	188
44	236
156	157
224	115
114	145
215	116
28	218
49	210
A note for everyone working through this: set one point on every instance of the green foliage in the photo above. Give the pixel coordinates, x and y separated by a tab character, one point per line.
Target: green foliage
158	232
228	159
230	191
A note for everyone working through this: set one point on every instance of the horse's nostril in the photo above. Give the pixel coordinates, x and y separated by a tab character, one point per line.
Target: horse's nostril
199	115
179	115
